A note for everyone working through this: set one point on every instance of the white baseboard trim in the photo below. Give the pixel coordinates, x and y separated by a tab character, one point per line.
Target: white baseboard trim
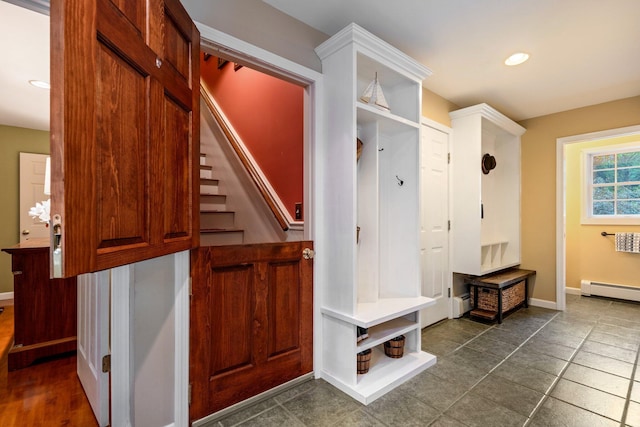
542	303
6	295
610	290
573	291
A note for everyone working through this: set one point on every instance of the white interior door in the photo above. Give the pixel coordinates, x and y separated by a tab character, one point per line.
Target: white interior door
93	340
32	167
434	229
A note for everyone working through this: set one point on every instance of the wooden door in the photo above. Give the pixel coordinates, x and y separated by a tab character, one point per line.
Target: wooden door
32	173
124	132
251	321
434	230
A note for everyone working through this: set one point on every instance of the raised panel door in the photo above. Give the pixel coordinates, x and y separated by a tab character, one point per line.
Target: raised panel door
251	321
124	132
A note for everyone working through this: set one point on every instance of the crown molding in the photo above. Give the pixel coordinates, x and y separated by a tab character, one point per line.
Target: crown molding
375	48
491	114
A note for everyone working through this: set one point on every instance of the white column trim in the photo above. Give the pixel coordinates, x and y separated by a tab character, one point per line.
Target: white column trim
121	349
182	281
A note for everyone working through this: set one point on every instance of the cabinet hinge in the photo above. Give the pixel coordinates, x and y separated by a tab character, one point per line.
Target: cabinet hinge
449	292
106	363
189	394
448	158
449	225
190	286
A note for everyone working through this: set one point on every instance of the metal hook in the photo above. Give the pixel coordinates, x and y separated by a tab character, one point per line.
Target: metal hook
400	182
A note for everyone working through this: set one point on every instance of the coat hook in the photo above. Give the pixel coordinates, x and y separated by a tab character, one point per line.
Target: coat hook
400	182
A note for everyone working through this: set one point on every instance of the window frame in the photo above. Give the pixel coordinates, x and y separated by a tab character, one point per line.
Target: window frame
587	216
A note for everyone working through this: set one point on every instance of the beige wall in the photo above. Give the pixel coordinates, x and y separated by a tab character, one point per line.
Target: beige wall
14	140
436	107
539	179
589	255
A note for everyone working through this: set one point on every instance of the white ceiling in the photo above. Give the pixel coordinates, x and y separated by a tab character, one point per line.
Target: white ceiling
24	47
583	52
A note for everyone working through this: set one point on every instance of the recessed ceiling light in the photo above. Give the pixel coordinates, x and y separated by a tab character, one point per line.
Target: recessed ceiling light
40	84
517	58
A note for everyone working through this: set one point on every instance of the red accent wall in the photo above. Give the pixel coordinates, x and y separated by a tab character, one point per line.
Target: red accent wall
267	114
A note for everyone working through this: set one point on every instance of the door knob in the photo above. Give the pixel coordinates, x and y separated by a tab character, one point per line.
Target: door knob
308	253
25	232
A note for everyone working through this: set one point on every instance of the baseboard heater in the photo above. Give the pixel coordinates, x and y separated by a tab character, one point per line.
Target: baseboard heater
461	304
610	290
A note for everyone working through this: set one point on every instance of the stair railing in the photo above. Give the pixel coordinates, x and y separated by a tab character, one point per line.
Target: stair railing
245	158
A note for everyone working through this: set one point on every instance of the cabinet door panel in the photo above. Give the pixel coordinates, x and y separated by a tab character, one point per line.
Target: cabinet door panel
124	131
232	293
120	117
284	302
177	191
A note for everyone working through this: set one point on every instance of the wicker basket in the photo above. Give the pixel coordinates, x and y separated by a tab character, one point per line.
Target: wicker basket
394	347
488	298
364	358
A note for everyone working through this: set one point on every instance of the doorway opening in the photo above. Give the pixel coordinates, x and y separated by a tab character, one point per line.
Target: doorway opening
562	145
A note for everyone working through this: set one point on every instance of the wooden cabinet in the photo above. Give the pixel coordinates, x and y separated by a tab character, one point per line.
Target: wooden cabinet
486	206
371	259
44	308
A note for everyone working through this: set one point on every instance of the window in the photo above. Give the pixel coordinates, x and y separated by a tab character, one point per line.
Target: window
613	184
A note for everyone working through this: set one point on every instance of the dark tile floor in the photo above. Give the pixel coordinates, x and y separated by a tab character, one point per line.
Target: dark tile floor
539	368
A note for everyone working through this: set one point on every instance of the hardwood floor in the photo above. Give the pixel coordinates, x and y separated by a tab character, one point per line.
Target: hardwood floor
45	394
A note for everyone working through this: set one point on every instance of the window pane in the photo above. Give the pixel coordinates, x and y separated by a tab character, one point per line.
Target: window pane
604	193
629	159
603	177
629	207
604	162
629	175
603	208
628	192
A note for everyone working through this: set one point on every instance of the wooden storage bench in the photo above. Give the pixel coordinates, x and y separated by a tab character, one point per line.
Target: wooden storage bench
495	294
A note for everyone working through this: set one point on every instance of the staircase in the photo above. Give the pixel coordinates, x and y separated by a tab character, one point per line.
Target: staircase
217	224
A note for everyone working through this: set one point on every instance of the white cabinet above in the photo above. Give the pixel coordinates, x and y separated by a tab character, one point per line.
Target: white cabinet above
486	201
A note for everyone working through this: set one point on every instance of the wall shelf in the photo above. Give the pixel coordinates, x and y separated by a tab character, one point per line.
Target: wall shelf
382	310
385	331
388	122
384	375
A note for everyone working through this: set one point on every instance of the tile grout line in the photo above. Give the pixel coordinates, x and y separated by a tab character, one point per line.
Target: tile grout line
504	359
623	420
560	375
277	403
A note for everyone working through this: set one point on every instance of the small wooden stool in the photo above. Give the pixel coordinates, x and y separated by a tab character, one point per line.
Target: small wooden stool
499	281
